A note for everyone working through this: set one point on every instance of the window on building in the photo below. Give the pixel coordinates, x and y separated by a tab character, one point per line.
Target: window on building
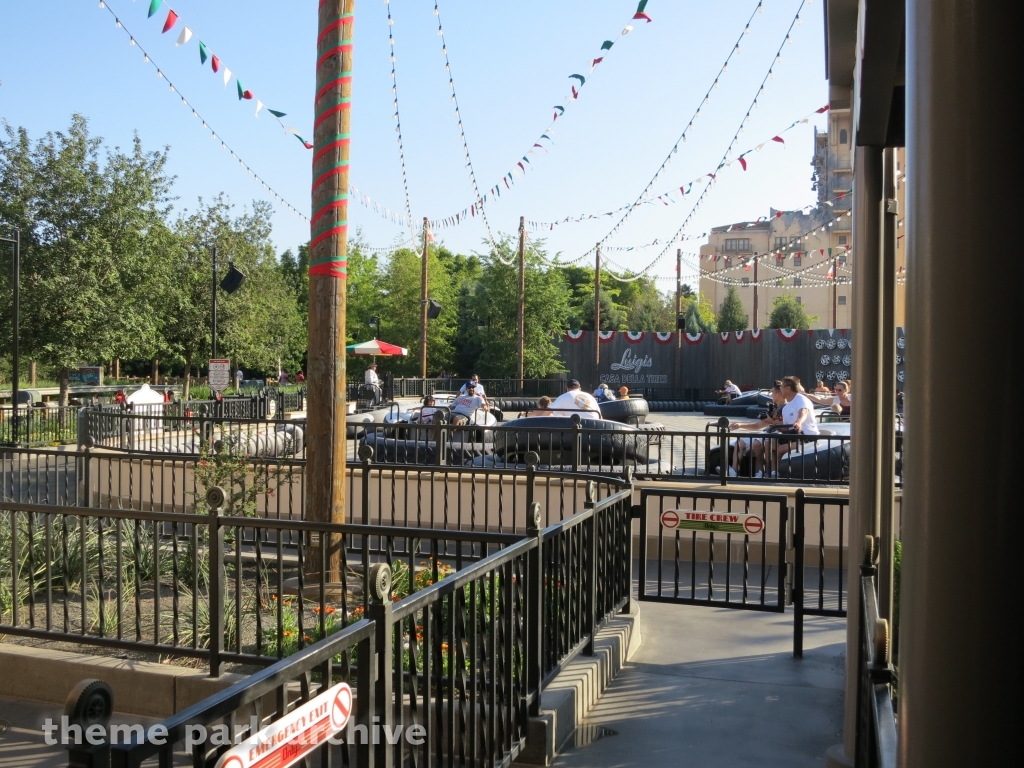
798	281
746	280
737	245
842	300
842	239
797	260
727	262
781	242
842	259
843	136
799	300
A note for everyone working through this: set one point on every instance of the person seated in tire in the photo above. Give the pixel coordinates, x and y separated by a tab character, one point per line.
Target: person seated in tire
465	406
603	393
475	381
575	399
728	392
798	415
428	410
839	400
623	393
542	408
753	444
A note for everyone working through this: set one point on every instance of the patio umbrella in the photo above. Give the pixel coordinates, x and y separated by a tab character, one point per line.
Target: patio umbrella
376	347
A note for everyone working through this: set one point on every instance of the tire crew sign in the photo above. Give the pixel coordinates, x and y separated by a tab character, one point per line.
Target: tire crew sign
716	522
295	735
220	375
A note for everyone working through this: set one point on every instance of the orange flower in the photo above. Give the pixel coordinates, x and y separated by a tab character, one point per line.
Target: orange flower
444	647
307	638
395	598
329	610
317	609
273	597
288	633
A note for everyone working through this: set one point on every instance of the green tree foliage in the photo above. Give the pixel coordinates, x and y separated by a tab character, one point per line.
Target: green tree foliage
787	312
699	317
89	221
494	303
732	316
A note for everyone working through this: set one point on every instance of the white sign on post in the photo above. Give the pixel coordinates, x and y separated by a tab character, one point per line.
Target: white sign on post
220	375
721	522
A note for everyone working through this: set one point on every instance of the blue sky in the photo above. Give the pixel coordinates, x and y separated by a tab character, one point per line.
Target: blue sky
510	63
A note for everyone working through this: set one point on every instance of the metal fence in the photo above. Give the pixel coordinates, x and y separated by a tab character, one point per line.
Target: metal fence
876	744
45	425
493	387
819	526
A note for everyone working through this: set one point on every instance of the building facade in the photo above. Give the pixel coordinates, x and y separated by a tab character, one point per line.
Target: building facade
807	253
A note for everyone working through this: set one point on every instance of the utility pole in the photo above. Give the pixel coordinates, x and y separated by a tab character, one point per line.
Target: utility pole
328	284
835	289
213	308
597	306
423	305
755	290
521	320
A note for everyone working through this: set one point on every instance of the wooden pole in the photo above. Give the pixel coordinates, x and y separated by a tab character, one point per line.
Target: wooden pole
755	290
679	294
423	305
597	307
521	319
835	288
328	282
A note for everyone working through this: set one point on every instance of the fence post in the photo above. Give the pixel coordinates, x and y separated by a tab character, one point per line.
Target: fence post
379	612
215	499
532	459
577	441
864	715
798	577
86	482
365	700
590	584
366	456
723	450
440	443
534	609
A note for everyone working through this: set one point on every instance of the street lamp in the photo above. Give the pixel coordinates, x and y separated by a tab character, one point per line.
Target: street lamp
16	317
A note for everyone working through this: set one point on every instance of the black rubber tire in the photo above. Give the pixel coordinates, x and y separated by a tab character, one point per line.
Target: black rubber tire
632	411
91	702
552	437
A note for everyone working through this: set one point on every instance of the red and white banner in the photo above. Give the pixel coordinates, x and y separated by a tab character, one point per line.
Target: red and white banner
286	741
634	337
606	336
574	336
755	334
788	334
663	338
693	338
724	335
739	336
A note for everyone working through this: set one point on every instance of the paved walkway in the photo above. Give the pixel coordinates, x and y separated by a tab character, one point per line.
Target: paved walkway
719	687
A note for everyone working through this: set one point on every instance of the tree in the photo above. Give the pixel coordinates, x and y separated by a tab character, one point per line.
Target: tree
787	312
495	303
732	316
90	223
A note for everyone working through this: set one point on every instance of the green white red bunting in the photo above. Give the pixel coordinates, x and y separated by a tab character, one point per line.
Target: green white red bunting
217	64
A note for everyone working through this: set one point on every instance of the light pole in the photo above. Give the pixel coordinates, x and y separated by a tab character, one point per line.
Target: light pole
16	317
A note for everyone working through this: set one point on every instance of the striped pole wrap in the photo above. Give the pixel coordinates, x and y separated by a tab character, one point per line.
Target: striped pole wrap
328	246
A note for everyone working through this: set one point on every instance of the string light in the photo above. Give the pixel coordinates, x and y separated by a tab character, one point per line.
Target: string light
195	113
398	122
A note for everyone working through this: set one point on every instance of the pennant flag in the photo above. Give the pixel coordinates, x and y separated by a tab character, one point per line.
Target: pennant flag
644	16
595	62
743	163
642	7
305	143
184	37
779	139
259	106
215	63
822	110
575	93
607	45
581	78
172	19
154	6
627	30
203	55
241	90
711	175
746	267
778	214
227	76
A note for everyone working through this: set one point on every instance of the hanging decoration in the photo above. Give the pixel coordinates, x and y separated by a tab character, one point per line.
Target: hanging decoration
725	159
154	7
216	63
398	119
544	141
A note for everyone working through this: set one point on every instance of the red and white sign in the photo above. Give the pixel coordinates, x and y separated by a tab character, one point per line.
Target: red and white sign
753	525
288	740
220	375
670	518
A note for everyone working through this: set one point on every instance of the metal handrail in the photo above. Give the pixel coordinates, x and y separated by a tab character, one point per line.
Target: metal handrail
876	741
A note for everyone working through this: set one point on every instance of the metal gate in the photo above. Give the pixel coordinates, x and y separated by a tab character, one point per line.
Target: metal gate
726	549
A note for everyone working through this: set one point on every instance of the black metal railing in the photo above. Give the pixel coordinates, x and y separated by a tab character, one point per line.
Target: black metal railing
876	744
464	655
820	528
415	387
43	425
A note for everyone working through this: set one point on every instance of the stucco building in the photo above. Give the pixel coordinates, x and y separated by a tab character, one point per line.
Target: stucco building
806	253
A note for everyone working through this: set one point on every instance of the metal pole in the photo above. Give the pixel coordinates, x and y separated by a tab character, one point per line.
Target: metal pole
835	290
887	385
521	321
597	307
213	308
15	323
328	283
423	305
755	290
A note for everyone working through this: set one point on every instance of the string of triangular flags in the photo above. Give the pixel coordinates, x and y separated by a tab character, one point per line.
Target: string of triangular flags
544	141
195	113
217	65
379	208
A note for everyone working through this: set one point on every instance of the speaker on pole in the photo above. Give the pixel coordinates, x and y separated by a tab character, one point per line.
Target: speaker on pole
232	280
433	308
